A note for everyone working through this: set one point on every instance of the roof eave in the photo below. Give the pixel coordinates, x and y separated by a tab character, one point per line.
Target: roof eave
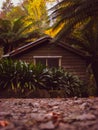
28	46
74	50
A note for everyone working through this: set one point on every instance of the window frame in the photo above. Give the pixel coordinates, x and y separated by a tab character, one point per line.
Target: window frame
47	57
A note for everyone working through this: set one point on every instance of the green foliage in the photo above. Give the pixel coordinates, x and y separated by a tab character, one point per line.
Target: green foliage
78	23
26	78
14	74
59	79
71	12
15	34
19	75
37	12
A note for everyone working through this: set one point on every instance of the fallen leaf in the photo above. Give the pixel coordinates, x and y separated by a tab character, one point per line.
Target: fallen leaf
4	123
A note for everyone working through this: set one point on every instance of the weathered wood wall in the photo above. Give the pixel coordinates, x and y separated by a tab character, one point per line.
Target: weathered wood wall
70	61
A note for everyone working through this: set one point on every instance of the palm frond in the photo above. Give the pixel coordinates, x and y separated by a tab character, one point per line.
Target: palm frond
18	24
77	10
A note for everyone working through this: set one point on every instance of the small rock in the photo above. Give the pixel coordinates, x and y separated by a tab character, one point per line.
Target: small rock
36	105
63	126
84	106
75	98
86	117
47	126
55	107
78	101
37	117
35	110
48	116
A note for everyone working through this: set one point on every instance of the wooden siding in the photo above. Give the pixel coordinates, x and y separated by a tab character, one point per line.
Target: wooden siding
70	61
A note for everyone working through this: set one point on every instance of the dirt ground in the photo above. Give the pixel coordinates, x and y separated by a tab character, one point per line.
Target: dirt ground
49	114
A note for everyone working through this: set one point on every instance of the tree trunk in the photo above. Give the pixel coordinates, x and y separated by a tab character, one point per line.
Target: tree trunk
95	72
5	49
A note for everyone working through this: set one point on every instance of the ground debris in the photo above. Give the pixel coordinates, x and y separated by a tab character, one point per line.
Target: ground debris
49	114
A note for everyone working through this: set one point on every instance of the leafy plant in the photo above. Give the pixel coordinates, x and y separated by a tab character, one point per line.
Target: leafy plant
25	78
59	79
16	33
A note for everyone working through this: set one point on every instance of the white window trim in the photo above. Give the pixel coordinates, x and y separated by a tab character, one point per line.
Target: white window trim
59	57
47	56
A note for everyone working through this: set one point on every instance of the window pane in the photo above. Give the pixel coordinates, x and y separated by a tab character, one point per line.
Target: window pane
53	62
41	61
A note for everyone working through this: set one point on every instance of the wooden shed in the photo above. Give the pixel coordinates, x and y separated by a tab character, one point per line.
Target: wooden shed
52	54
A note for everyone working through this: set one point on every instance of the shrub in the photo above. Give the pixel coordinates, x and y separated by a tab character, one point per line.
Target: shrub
60	79
21	77
16	74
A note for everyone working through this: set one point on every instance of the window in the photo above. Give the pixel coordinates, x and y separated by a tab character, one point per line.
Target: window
40	61
53	62
48	61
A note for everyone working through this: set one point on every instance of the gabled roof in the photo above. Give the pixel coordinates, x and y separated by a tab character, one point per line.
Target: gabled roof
27	46
41	41
72	49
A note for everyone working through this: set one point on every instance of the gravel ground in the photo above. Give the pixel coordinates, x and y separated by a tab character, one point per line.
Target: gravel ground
49	114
